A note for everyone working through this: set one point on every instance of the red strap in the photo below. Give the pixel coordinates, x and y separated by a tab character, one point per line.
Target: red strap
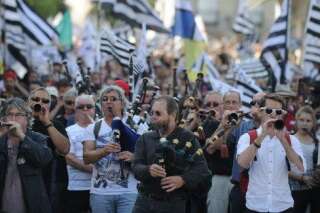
253	135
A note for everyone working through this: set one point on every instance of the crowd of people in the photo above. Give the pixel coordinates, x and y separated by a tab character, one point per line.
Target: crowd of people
176	147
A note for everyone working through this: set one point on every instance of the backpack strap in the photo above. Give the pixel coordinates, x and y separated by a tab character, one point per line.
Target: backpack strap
96	128
287	160
315	154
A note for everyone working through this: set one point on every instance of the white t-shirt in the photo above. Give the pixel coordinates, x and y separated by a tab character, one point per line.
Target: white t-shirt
106	177
268	188
78	180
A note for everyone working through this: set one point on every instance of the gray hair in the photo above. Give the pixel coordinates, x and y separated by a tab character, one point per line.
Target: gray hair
83	97
70	93
19	104
37	90
232	92
120	93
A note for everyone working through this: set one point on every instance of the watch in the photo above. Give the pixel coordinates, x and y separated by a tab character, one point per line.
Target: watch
48	125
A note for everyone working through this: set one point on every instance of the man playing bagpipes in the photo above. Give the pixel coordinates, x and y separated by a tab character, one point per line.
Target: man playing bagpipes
168	162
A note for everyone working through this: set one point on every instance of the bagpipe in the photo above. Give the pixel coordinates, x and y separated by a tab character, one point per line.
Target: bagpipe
175	156
138	112
82	76
126	138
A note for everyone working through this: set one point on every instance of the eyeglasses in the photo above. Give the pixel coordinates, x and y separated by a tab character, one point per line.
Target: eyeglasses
18	114
276	111
157	113
111	99
43	100
69	102
254	103
83	106
212	104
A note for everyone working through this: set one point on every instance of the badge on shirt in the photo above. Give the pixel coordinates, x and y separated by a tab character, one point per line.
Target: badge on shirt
21	161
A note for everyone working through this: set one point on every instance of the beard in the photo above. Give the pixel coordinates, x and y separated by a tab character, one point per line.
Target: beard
160	126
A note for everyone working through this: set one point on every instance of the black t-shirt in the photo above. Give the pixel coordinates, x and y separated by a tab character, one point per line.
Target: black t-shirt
56	172
218	164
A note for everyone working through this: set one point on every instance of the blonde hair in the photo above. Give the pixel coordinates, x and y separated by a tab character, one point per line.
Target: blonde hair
310	111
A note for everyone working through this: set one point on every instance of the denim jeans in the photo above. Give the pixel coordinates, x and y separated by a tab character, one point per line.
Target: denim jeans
112	203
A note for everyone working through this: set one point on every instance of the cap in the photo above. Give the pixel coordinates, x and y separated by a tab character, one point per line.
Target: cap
124	85
10	74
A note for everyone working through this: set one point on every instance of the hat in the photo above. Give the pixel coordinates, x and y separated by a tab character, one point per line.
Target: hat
10	74
52	91
124	85
284	90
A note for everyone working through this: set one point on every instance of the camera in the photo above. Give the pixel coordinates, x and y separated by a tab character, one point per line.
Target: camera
37	108
233	118
278	124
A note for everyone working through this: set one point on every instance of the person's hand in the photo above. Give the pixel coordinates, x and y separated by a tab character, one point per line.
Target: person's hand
281	135
112	148
210	147
172	183
157	171
126	156
191	121
15	130
43	115
267	127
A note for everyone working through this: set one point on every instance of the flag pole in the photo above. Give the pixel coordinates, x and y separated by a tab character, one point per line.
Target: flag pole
305	35
285	66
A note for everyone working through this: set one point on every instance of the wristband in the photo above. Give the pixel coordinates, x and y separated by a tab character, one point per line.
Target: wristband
48	125
256	145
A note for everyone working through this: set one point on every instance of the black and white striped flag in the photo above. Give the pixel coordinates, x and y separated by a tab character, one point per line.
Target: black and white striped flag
312	39
135	13
122	50
274	54
24	29
247	85
254	69
243	23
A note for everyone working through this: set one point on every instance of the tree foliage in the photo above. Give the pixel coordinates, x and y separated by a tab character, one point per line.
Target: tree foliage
46	8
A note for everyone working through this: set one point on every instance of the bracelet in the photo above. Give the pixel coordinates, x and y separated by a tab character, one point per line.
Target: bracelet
48	125
256	145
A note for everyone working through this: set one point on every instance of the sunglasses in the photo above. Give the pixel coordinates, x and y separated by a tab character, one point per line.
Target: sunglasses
83	106
69	102
157	113
275	111
111	99
253	103
212	104
43	100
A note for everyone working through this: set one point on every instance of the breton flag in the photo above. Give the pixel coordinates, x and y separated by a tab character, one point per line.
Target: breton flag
135	13
139	58
243	23
254	69
120	49
274	55
312	40
247	85
24	28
